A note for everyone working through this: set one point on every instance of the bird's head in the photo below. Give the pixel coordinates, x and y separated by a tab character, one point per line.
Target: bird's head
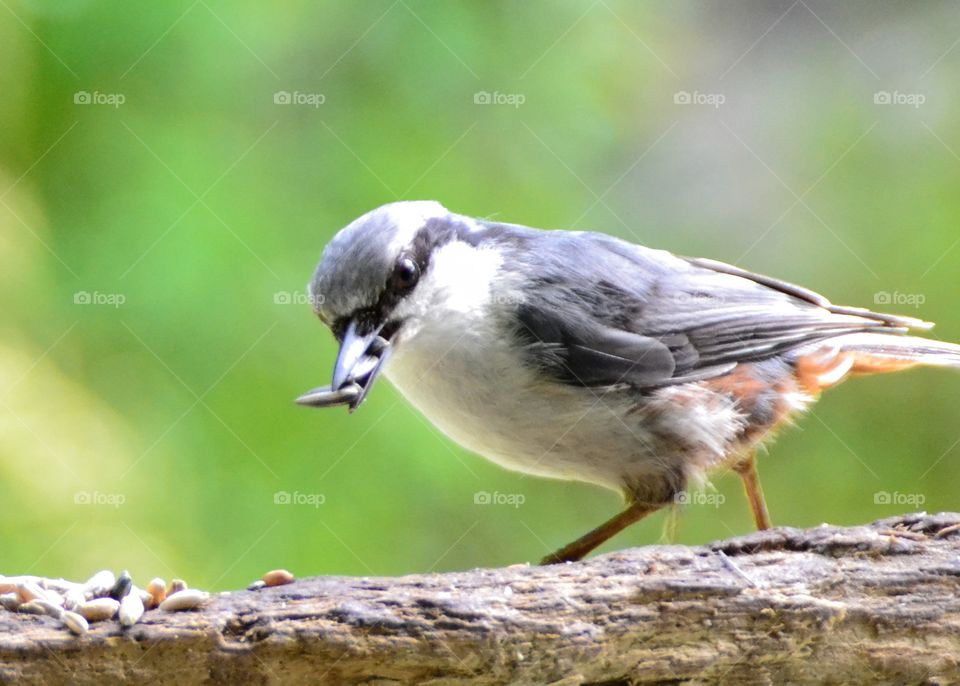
372	290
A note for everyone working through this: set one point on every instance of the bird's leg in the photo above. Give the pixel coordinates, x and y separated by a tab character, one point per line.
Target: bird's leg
747	469
583	545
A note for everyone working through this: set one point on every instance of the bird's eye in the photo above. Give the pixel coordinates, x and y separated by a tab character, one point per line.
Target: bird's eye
406	273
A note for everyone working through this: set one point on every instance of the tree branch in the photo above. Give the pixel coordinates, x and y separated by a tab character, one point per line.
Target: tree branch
858	605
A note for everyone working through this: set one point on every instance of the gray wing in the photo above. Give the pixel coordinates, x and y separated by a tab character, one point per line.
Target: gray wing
603	312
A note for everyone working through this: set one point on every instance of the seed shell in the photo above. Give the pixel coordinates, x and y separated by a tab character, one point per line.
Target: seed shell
278	577
99	609
75	623
187	599
157	588
131	609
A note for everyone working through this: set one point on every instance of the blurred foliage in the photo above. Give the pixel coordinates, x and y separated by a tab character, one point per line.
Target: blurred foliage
191	213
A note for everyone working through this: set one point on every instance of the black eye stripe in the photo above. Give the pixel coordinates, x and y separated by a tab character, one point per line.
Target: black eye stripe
339	328
435	233
369	318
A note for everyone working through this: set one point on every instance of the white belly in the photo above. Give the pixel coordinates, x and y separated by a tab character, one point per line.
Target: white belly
456	364
475	389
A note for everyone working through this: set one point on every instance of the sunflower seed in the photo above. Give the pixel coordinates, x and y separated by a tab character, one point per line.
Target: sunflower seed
29	590
74	598
176	586
14	581
99	584
157	588
186	599
32	608
257	585
75	623
131	609
122	586
10	601
61	586
277	577
145	596
49	608
98	609
325	396
53	597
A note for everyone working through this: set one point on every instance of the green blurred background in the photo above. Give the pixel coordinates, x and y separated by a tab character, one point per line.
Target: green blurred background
162	206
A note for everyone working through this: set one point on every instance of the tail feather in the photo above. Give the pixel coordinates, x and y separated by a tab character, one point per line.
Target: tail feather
874	348
833	360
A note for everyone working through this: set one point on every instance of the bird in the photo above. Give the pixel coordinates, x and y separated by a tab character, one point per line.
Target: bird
580	356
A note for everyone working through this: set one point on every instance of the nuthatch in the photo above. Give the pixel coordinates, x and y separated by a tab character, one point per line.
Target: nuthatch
576	355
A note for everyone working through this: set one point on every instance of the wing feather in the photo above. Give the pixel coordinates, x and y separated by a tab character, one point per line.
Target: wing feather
603	312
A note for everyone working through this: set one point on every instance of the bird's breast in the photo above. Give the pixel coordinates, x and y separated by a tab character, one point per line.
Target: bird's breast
471	382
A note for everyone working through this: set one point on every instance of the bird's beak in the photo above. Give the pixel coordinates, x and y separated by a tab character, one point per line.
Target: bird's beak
359	361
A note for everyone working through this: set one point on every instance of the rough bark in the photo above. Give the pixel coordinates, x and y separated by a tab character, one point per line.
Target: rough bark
867	604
